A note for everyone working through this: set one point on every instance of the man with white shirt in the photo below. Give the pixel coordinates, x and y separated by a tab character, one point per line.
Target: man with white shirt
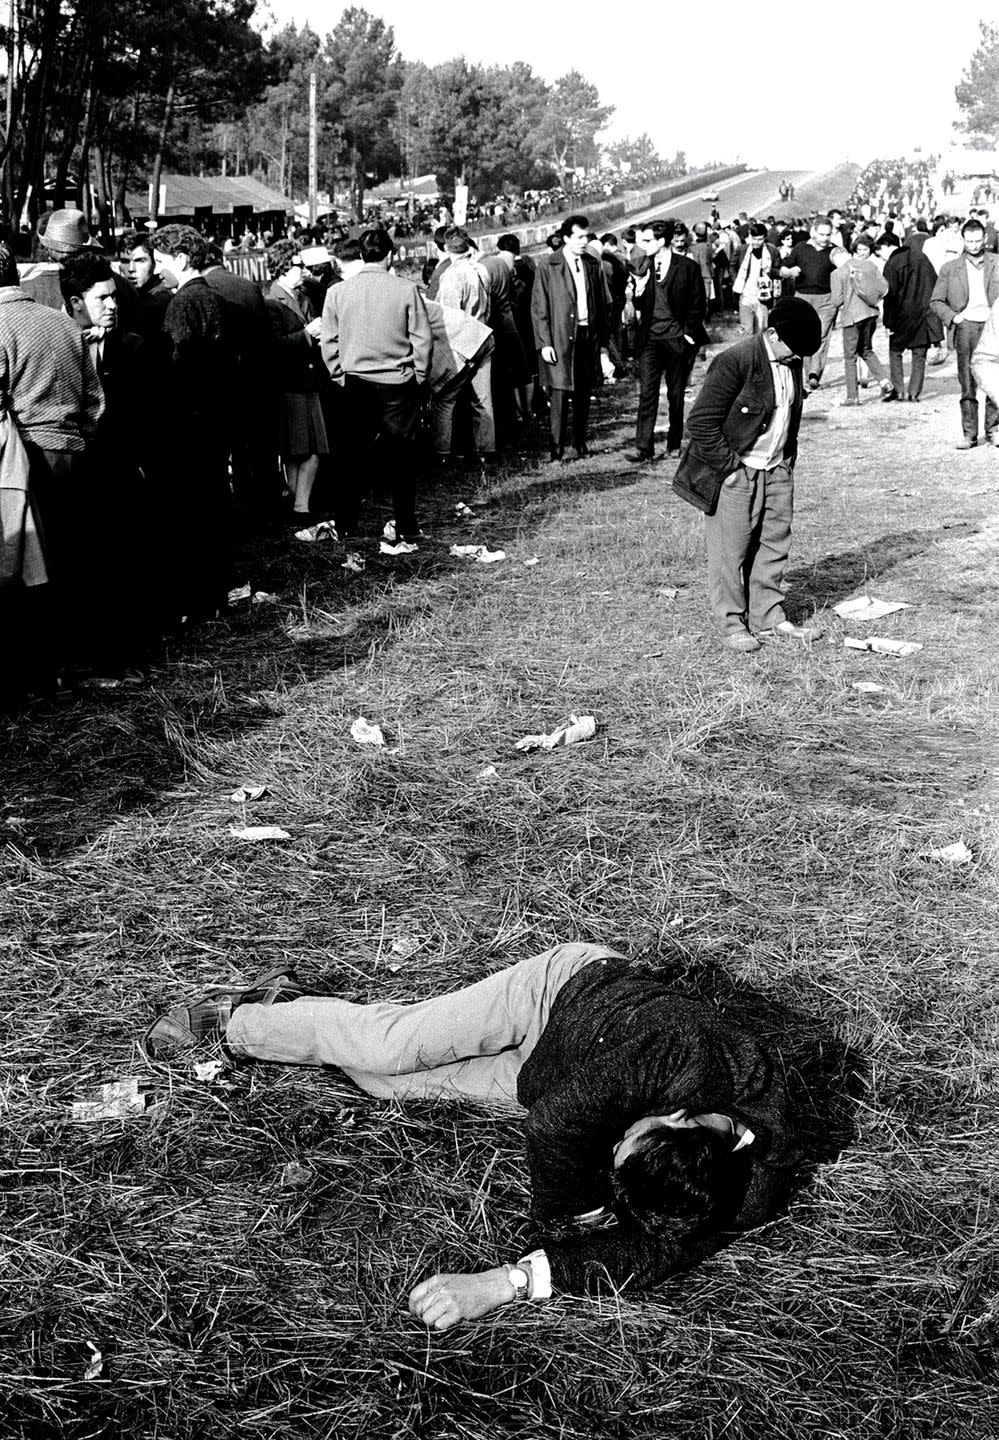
671	305
655	1125
570	311
964	294
739	469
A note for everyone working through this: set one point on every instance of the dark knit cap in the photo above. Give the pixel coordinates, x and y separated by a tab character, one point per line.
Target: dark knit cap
797	324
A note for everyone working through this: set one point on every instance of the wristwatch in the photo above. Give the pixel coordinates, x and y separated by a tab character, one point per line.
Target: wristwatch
519	1279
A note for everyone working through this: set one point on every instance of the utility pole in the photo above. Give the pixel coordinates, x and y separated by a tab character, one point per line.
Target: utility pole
313	145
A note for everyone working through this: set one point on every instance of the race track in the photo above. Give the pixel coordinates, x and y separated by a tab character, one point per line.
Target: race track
757	191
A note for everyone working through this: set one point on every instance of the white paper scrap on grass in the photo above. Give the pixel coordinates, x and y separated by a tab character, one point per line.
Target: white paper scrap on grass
354	562
208	1070
242	592
463	511
481	553
881	645
118	1100
264	597
95	1363
534	560
260	832
867	687
956	854
489	773
866	607
405	946
404	547
248	792
576	729
366	734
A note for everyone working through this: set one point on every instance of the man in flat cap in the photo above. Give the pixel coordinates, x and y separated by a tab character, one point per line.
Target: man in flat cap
739	469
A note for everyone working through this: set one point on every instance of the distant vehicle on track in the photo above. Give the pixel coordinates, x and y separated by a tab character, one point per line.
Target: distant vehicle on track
712	196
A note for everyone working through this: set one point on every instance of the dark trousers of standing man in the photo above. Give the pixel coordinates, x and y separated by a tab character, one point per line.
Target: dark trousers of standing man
582	385
966	337
659	358
380	424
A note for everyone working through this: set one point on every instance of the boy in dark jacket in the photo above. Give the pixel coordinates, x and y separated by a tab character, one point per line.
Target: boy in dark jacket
739	469
654	1123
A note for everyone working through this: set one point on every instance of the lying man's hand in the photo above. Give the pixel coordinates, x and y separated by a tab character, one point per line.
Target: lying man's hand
444	1300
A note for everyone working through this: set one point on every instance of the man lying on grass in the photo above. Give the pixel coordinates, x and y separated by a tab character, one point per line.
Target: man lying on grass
654	1124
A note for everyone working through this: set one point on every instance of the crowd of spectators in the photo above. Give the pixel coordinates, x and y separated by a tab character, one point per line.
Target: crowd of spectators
160	396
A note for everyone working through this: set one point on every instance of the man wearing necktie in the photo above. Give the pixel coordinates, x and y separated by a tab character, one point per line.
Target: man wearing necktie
671	304
570	310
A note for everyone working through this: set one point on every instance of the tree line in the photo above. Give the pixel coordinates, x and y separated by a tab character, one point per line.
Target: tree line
103	96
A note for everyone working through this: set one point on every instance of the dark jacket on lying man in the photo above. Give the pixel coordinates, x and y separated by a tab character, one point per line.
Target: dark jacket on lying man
620	1045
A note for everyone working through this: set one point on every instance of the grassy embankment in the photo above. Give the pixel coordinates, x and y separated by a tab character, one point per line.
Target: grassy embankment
758	825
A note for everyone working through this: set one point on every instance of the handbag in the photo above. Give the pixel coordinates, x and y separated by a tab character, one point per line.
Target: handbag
22	559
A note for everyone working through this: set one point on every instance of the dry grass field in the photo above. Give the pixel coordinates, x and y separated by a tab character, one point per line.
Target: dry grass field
240	1253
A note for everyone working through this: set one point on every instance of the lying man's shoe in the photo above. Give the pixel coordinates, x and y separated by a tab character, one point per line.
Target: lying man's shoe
790	631
638	457
205	1019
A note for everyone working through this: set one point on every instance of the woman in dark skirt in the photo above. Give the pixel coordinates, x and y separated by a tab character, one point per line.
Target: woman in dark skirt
301	428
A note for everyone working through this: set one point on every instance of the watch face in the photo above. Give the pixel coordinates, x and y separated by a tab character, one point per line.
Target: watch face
517	1277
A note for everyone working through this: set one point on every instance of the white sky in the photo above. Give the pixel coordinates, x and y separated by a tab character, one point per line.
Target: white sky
837	82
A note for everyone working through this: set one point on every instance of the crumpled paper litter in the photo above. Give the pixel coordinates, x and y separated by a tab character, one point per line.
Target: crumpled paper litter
248	792
883	646
404	547
956	854
366	734
576	729
866	607
260	832
118	1100
482	553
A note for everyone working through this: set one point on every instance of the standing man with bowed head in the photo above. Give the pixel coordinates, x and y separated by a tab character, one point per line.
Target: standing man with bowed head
571	313
739	469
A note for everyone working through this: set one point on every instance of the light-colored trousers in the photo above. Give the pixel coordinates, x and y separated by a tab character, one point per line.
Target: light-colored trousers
749	540
826	311
469	1044
479	377
985	370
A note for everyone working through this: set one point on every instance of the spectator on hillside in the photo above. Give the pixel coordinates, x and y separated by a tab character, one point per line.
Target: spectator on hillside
139	264
670	299
509	368
857	289
49	382
965	291
739	470
524	270
253	422
125	559
810	265
377	344
301	434
197	399
460	364
907	313
757	280
60	234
